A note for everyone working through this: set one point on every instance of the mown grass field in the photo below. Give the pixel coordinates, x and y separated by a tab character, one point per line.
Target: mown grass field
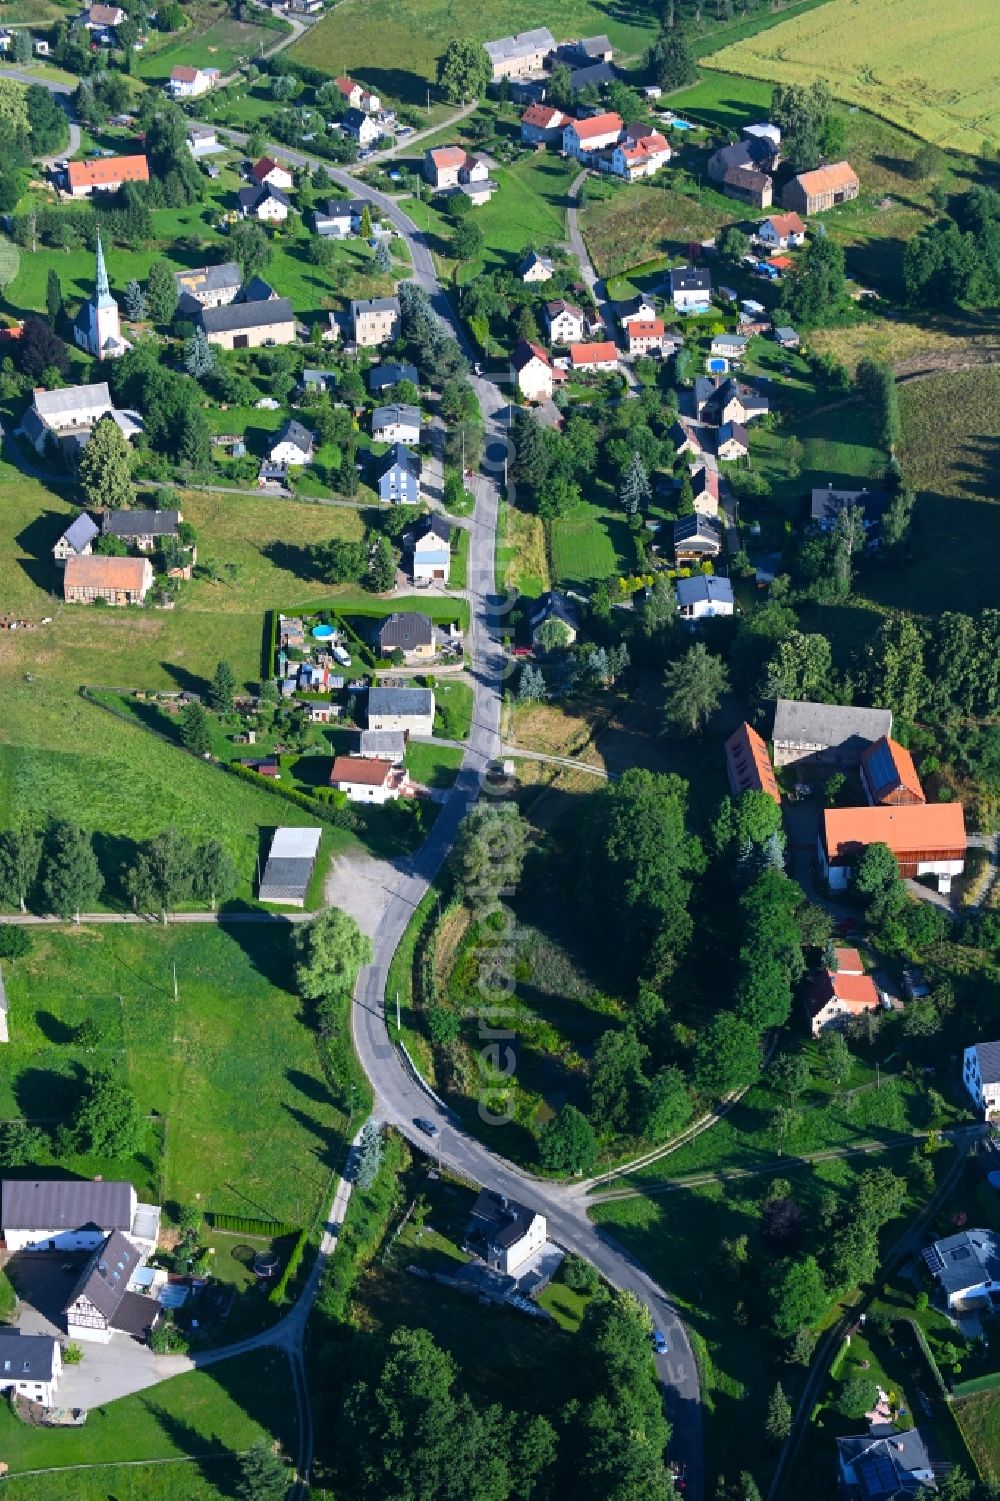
590	543
209	1414
978	1418
893	57
229	1070
394	47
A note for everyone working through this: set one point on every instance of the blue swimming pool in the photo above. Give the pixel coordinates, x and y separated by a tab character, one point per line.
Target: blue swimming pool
717	366
323	632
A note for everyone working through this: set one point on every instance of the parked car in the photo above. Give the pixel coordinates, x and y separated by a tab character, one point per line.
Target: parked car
660	1342
341	655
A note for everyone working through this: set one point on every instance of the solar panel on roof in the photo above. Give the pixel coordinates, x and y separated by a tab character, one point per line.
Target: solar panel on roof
877	1475
881	766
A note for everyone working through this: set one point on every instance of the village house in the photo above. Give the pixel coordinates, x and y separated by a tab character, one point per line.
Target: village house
781	231
583	137
705	490
543	124
644	336
77	541
30	1364
748	185
589	49
520	56
554	605
981	1077
535	268
833	735
203	140
967	1266
397	476
375	321
743	170
105	174
599	357
927	839
504	1234
430	550
72	409
875	1467
384	377
367	780
210	286
382	745
341	218
268	205
361	127
719	402
268	173
409	632
100	17
102	1303
748	764
442	165
119	581
356	96
250	325
691	289
640	309
889	776
702	596
696	538
823	188
563	322
827	504
641	153
408	709
188	83
141	528
692	438
293	445
396	424
786	337
531	371
838	995
733	442
73	1214
731	347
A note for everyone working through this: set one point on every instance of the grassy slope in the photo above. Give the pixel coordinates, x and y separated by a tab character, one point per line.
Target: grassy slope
230	1068
978	1418
893	58
222	45
209	1414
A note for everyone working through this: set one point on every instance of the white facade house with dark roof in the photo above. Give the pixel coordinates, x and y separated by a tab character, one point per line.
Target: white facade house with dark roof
375	320
407	709
966	1265
884	1466
981	1077
64	1214
30	1366
293	445
554	605
504	1234
77	541
430	549
691	289
702	596
101	1303
397	476
250	325
396	424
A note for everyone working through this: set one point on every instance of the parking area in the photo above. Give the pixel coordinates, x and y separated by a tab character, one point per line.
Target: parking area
43	1282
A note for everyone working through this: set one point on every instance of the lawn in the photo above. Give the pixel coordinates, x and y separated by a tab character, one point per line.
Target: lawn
223	45
894	58
433	765
229	1071
394	47
207	1414
453	709
978	1418
590	543
951	440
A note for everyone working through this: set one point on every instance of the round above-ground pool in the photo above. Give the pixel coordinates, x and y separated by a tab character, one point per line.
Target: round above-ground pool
717	365
323	632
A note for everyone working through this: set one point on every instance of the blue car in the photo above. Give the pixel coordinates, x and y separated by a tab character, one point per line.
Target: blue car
659	1342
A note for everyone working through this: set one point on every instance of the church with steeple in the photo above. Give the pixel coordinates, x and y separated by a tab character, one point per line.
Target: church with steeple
98	328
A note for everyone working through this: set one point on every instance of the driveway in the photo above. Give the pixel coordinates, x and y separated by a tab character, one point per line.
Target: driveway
361	886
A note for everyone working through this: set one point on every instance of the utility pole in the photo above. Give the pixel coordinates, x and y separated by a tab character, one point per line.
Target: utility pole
175	983
399	1022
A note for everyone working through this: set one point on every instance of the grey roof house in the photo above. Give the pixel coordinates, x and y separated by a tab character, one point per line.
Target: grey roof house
141	527
884	1466
406	709
407	631
384	377
237	317
101	1303
826	734
397	476
385	745
78	538
65	1204
555	605
966	1265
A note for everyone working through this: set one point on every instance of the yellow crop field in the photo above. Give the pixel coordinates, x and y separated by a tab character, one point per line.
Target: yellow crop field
928	67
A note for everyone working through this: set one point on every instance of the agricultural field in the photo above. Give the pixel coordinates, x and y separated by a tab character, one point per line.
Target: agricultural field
229	1070
394	48
892	57
204	1417
978	1419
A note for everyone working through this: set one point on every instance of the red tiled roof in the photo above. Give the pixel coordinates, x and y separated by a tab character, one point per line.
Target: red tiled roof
827	179
749	765
366	771
265	166
848	961
104	170
786	224
781	262
545	116
645	328
593	354
346	86
597	125
924	827
522	354
449	156
106	573
184	73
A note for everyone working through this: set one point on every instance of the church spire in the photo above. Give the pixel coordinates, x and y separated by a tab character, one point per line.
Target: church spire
102	291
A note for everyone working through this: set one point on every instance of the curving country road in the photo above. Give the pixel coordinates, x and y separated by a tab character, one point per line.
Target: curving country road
399	1097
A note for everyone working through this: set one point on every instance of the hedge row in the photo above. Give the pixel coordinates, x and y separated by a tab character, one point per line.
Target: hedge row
248	1224
928	1355
280	1288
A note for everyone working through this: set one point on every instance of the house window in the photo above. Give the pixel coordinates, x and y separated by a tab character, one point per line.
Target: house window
241	341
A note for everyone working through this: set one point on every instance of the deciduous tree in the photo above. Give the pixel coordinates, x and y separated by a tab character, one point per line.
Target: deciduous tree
463	70
567	1143
695	684
109	1123
105	468
329	951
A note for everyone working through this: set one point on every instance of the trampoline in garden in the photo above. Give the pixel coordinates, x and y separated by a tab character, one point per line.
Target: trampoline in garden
323	632
265	1263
